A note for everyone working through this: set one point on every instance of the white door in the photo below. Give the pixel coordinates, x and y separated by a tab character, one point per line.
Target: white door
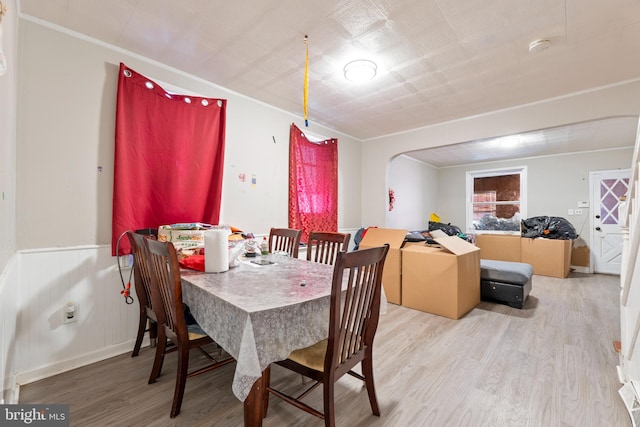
606	237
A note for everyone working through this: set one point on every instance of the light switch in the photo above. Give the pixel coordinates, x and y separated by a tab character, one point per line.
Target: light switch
570	212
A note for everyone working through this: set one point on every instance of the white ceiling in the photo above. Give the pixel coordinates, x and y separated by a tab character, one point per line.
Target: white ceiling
438	60
610	133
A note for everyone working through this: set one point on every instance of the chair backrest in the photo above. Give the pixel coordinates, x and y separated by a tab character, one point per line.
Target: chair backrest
166	289
354	312
141	270
285	239
323	246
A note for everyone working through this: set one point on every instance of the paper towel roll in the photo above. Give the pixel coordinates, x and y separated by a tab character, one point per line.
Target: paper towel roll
216	250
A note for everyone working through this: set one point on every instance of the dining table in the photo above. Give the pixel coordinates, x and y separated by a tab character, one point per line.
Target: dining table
259	312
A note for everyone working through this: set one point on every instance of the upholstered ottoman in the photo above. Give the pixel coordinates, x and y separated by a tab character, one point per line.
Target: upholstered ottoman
505	282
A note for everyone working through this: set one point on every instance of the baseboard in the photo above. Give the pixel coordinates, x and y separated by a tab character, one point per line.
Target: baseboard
23	378
15	397
621	376
11	395
580	269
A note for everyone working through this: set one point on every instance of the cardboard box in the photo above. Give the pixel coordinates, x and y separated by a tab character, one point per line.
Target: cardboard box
548	257
181	239
443	281
391	273
499	247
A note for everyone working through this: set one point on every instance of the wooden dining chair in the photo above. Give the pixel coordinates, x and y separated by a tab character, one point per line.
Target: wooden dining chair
142	278
353	320
286	240
324	246
166	293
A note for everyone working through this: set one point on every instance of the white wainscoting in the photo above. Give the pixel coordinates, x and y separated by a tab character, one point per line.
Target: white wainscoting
8	313
89	277
49	278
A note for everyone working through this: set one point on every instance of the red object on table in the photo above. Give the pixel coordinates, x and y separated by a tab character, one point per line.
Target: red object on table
194	262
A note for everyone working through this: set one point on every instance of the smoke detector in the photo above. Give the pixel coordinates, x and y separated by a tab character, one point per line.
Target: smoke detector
539	45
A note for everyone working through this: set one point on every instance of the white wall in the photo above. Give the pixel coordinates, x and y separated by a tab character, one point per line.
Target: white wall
416	192
66	117
555	184
67	98
611	101
8	138
8	341
8	271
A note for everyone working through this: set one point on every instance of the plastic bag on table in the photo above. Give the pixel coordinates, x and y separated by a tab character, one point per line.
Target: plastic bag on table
236	248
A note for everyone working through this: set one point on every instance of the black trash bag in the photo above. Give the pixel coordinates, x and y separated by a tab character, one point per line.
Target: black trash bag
415	236
550	227
450	230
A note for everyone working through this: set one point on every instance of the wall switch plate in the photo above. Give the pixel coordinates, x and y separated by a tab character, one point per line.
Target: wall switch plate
578	211
570	212
583	204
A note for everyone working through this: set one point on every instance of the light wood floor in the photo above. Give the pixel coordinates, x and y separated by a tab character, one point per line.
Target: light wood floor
549	364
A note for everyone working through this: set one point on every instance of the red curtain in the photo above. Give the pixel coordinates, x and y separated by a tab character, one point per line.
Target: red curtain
169	155
313	183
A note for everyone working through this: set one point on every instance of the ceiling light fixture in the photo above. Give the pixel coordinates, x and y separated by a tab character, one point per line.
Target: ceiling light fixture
539	45
360	70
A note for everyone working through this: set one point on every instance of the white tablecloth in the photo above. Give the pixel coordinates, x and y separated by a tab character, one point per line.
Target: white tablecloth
259	314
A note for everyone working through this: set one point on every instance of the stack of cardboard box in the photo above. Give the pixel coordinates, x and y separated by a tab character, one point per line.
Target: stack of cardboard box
442	280
548	257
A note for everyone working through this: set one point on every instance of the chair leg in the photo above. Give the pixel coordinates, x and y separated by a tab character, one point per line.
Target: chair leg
157	362
181	380
266	378
367	372
153	333
329	404
142	325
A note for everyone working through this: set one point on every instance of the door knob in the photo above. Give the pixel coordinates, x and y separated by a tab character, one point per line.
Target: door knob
598	228
598	216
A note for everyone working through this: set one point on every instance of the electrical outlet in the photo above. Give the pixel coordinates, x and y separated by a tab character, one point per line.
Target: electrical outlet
578	211
126	261
70	312
570	212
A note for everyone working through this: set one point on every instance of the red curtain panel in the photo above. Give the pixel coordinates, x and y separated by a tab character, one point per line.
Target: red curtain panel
313	183
169	156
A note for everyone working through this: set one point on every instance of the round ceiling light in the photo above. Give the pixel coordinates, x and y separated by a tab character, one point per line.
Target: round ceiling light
360	70
539	45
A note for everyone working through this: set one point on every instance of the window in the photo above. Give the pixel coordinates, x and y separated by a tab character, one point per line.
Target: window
496	199
313	183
